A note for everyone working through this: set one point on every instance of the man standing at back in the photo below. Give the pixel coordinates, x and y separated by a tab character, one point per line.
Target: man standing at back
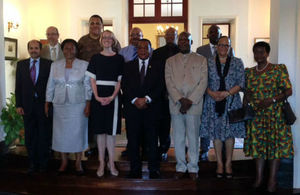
162	54
130	52
89	44
31	82
52	50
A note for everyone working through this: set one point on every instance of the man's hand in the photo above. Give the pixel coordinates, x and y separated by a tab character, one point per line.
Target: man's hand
185	105
140	103
20	111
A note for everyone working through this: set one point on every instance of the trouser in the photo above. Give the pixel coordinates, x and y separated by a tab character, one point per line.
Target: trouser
37	135
137	125
186	127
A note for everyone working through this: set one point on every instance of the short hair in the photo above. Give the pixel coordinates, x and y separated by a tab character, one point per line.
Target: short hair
229	40
54	28
40	44
70	41
185	33
96	16
115	41
147	40
262	44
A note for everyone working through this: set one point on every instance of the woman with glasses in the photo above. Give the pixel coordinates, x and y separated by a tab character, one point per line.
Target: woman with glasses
225	80
105	70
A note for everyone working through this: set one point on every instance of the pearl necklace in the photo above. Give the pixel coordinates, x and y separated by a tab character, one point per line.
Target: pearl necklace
262	68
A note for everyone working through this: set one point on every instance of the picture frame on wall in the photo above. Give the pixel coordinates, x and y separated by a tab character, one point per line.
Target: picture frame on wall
161	41
10	48
265	39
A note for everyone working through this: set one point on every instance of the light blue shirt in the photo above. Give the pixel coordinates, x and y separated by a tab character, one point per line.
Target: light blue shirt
129	53
37	67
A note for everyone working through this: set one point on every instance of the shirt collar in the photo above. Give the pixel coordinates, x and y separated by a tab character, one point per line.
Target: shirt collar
55	46
146	61
37	60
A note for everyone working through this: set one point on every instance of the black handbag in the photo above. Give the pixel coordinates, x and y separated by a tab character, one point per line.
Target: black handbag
289	115
242	114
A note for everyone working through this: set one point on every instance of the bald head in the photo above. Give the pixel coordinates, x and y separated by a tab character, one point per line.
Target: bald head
185	42
214	33
171	36
135	35
52	35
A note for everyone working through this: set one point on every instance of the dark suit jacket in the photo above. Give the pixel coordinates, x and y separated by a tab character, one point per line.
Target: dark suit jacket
25	89
152	86
205	51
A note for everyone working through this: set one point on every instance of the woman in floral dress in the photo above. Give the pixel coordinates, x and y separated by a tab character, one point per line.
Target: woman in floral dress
268	136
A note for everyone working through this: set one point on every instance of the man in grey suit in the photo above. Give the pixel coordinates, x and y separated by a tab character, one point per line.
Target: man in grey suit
52	50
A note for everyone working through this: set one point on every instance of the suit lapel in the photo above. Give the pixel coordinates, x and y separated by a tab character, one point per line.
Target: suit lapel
136	69
40	71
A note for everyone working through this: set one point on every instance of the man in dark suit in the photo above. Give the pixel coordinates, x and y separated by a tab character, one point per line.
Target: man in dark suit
162	54
208	51
141	85
31	81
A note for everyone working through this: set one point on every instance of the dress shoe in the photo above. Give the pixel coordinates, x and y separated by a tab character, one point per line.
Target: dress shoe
79	172
193	176
114	172
61	172
124	153
164	157
154	175
100	173
219	175
179	175
228	175
134	175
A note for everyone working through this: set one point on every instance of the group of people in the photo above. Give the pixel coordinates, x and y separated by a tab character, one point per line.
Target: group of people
73	88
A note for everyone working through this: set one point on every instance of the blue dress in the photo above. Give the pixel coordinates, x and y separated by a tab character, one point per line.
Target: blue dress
212	126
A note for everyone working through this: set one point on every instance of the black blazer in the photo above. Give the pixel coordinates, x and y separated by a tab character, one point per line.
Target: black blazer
25	89
152	86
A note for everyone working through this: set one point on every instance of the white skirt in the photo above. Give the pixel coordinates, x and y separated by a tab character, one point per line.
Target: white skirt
70	128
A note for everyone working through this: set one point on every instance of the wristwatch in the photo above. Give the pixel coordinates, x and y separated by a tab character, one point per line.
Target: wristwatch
274	100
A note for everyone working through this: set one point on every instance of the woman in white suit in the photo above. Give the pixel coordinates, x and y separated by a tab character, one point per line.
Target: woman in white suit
69	90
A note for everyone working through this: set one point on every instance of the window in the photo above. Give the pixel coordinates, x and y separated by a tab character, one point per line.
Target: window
158	11
171	8
144	8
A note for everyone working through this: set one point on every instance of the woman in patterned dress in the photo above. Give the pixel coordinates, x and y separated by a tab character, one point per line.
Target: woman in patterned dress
225	80
268	137
105	70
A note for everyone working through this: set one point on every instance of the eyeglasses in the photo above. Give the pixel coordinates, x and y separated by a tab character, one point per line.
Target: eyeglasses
223	45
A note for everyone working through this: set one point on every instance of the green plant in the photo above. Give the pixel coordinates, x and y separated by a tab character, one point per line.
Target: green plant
12	122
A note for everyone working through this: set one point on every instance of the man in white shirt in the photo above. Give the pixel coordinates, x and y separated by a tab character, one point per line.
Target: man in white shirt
52	50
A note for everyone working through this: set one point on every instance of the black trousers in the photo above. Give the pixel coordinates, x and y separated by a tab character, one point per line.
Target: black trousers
164	133
139	122
37	135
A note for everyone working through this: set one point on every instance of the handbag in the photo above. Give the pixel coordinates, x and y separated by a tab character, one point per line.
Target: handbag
240	115
289	115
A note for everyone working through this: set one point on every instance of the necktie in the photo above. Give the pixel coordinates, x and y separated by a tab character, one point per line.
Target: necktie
53	54
33	72
215	50
142	73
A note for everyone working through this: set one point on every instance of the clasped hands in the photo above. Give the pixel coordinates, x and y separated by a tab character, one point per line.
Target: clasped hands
185	105
104	100
141	103
219	95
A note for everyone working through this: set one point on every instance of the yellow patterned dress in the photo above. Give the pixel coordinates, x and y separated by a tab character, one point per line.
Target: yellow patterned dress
268	136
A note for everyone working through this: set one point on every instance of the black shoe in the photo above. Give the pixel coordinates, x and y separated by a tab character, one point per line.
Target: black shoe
32	169
164	157
154	175
134	175
124	153
79	173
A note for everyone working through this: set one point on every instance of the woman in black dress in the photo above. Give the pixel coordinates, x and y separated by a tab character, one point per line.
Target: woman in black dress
105	70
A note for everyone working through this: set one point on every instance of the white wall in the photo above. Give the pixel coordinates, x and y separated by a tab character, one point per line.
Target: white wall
285	43
2	69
